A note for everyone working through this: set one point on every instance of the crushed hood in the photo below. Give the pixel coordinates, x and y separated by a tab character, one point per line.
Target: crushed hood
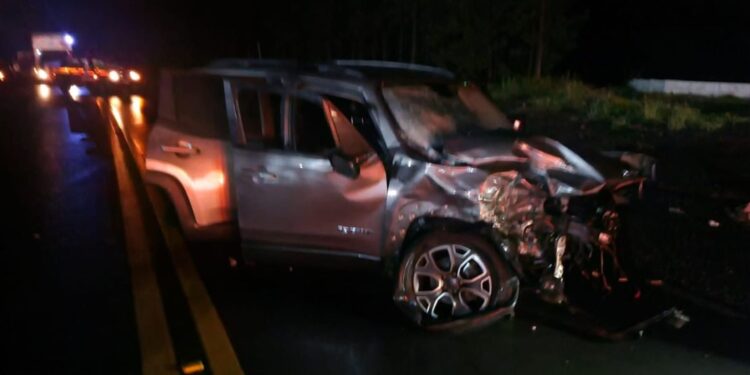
501	152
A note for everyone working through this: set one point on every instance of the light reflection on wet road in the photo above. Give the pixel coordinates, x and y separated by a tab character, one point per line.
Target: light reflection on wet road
67	306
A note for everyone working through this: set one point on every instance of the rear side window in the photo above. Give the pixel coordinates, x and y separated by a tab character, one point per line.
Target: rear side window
260	114
200	106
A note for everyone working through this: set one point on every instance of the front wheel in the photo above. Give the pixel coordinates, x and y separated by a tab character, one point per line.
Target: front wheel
447	277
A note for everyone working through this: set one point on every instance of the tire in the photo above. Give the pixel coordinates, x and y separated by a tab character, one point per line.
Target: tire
447	277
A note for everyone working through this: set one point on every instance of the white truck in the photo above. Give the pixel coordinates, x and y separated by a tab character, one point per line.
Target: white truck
50	49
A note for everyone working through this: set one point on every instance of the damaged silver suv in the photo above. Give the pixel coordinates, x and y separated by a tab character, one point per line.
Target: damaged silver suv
395	164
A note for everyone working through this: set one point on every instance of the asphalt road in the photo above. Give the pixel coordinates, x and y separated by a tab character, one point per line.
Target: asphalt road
70	305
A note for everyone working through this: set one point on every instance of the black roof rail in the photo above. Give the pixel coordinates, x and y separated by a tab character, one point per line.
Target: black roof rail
359	69
252	63
338	69
378	64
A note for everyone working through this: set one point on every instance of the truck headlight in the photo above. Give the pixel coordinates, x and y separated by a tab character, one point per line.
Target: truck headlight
41	74
113	76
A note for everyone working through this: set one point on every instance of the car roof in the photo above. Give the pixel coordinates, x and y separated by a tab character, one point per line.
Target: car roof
349	70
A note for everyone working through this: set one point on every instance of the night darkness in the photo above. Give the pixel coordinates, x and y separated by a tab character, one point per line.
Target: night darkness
537	213
614	40
690	39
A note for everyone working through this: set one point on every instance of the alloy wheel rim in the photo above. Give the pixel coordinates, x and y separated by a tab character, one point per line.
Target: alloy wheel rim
451	281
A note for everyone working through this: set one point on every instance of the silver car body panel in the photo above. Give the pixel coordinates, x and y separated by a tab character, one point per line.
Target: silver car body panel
298	200
294	199
202	174
421	189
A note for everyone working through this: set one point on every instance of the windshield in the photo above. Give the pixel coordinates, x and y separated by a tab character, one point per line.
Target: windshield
73	63
98	63
428	114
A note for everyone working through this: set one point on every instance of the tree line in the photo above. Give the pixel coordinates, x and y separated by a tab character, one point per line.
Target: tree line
481	39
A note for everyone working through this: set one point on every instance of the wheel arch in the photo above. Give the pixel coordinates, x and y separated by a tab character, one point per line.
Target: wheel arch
428	224
172	188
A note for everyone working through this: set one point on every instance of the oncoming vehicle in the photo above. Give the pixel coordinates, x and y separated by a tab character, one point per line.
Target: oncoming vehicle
90	72
69	71
114	75
395	164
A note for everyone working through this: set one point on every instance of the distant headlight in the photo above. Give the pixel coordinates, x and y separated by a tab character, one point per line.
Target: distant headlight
114	76
44	92
2	76
134	76
75	92
41	74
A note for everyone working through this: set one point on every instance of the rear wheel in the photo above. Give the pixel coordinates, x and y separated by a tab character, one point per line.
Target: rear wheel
451	276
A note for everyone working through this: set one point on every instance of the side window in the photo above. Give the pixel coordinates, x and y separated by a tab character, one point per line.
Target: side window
260	115
353	124
350	141
200	106
312	134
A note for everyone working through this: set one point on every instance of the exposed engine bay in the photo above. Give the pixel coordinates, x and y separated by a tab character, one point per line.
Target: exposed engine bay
554	216
559	219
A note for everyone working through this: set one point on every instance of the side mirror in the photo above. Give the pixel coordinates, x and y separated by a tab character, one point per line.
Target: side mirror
344	165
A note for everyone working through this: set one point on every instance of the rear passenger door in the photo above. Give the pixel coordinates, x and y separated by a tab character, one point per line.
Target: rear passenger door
190	143
288	194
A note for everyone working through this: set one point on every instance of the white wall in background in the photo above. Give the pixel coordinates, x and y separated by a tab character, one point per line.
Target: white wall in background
700	88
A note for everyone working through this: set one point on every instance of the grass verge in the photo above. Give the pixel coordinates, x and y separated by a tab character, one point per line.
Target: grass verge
619	117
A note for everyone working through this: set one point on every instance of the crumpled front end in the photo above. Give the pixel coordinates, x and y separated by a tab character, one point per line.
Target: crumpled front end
522	217
559	219
551	214
423	197
556	213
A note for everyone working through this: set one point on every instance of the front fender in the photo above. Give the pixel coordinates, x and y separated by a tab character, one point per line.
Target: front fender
428	223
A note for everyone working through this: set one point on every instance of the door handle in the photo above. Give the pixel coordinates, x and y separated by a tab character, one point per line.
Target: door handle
183	148
264	177
261	175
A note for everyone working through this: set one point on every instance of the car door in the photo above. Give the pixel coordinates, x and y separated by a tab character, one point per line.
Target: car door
288	192
190	142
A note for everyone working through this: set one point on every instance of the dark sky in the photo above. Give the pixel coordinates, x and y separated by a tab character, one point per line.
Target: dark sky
689	39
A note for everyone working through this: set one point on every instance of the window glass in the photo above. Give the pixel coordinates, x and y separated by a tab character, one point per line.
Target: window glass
427	114
249	107
350	139
312	134
260	115
358	114
200	106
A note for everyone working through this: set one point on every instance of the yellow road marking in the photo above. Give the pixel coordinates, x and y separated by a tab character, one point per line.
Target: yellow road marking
157	353
219	351
221	356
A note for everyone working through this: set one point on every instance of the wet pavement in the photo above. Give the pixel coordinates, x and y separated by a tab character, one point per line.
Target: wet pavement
68	299
66	288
